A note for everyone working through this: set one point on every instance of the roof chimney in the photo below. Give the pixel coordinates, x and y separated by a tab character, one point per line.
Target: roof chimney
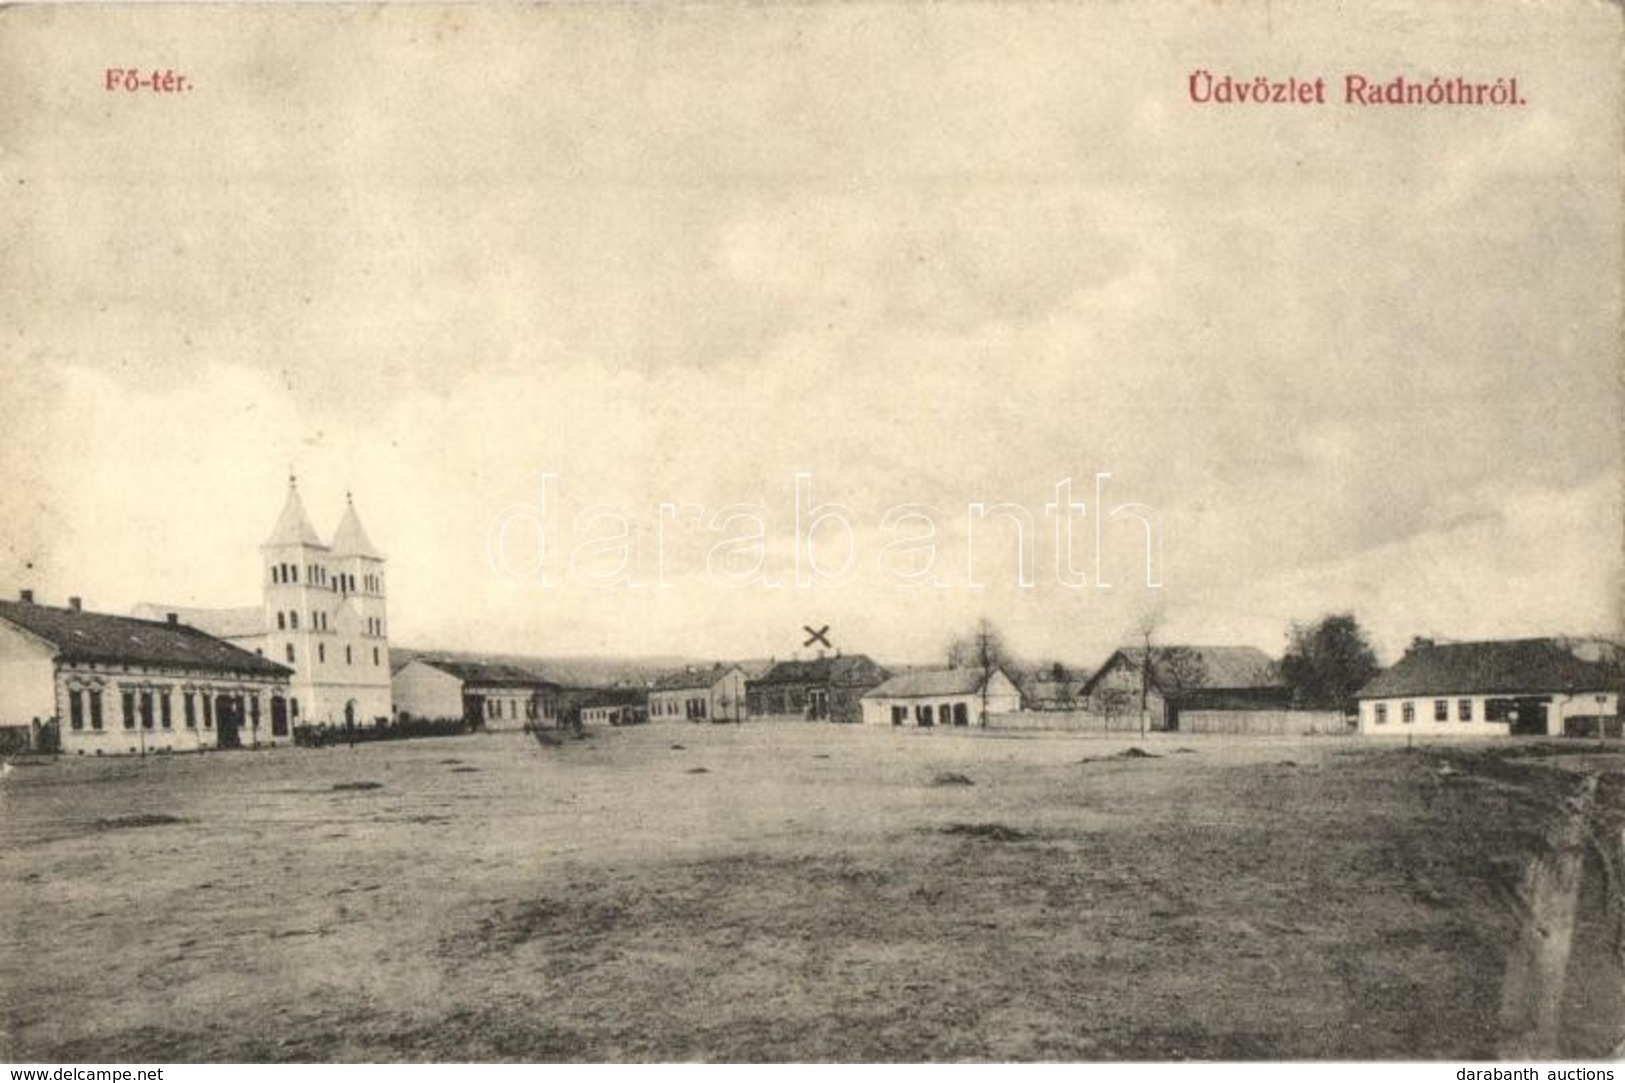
172	618
26	596
76	603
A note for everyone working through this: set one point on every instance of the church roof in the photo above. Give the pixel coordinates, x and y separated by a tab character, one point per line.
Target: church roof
350	539
293	525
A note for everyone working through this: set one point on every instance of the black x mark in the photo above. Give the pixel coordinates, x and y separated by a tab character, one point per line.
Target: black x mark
820	636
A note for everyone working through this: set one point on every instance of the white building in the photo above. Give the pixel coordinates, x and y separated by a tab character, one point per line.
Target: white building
486	695
1535	687
716	694
123	686
941	697
323	615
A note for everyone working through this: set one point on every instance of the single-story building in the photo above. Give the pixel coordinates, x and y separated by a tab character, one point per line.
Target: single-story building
1184	677
486	695
714	694
824	688
941	697
122	686
610	706
1496	688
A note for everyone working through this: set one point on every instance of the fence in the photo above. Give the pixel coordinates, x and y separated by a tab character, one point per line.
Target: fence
1065	722
1265	723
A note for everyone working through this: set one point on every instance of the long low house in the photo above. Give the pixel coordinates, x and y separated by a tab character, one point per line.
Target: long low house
1498	688
485	695
941	697
124	686
714	694
1186	678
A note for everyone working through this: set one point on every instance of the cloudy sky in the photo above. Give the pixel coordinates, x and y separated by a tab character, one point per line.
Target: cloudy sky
1350	357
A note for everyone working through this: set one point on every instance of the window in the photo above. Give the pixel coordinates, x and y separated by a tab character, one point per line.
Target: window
165	717
295	570
293	621
1441	710
1380	713
254	711
293	707
189	709
127	709
375	657
321	652
961	715
289	653
281	621
76	709
348	660
208	711
1464	710
146	709
1407	712
899	715
95	708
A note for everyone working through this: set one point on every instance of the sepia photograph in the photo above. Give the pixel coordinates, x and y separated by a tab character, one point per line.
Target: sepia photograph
826	533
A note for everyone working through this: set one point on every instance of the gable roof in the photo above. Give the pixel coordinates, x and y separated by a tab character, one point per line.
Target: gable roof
79	636
931	682
235	623
492	673
837	669
1507	666
350	539
1221	667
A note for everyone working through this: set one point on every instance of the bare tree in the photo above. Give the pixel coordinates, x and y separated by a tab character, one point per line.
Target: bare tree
983	651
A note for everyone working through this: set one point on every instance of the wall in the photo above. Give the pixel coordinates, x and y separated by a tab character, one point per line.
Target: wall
113	739
423	691
1066	722
1264	723
1563	705
27	674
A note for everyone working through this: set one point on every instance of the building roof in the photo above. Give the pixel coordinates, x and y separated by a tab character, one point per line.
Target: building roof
79	636
236	623
703	677
838	669
1501	666
926	683
293	525
492	673
350	539
1221	667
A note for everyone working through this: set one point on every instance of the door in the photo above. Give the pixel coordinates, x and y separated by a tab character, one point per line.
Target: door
279	716
228	720
1529	716
473	711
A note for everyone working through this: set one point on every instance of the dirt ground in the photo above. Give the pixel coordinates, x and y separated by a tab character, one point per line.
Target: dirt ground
815	893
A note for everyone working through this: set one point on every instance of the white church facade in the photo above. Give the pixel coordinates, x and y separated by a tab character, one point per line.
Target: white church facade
323	615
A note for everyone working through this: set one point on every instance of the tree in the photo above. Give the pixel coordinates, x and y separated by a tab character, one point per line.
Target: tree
1328	662
983	651
1173	670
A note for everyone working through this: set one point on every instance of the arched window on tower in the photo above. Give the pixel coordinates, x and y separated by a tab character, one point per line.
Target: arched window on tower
281	621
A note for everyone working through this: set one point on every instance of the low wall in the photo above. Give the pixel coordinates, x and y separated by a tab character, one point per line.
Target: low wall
1264	723
1065	722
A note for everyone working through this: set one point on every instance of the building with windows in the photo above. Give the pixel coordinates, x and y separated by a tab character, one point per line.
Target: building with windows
485	695
1534	687
322	615
941	697
125	686
1170	679
827	688
714	694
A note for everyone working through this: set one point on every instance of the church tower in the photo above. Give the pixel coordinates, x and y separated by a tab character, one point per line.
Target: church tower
324	617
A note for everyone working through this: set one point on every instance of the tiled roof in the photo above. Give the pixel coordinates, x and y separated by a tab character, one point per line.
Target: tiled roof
1502	666
689	678
1219	667
839	669
493	673
79	636
930	682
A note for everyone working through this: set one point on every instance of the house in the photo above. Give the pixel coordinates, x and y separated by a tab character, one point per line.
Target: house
613	706
1205	678
485	695
715	694
120	686
941	697
824	688
322	615
1496	688
1052	688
